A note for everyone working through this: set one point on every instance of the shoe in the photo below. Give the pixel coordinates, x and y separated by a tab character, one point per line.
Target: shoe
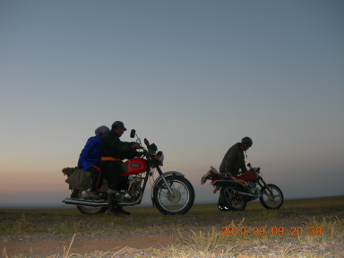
111	212
119	210
223	208
94	195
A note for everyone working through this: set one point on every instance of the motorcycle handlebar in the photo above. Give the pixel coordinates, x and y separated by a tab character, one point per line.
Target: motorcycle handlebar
146	142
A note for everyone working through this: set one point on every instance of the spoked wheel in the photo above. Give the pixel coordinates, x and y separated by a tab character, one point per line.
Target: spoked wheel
272	197
180	202
231	200
88	210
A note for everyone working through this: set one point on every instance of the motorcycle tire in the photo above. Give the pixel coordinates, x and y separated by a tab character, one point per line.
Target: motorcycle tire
268	197
232	201
181	202
88	210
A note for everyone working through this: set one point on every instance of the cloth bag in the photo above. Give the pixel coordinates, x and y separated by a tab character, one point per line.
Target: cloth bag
78	178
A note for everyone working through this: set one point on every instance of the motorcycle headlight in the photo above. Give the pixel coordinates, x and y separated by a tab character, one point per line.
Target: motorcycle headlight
160	155
256	170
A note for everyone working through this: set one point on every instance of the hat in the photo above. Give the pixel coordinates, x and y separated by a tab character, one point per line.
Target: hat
246	142
102	129
120	124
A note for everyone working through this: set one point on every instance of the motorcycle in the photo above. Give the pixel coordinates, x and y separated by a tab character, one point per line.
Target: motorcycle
235	193
171	192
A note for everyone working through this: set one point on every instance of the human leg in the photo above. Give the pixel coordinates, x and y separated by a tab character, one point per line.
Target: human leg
96	181
111	173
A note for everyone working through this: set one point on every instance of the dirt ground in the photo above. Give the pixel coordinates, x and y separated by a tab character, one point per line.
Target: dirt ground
147	233
152	244
146	246
52	247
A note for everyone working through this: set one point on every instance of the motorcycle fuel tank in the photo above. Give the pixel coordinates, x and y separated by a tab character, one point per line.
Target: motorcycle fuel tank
133	166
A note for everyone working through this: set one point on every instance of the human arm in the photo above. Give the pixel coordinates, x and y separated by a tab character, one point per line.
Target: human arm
243	166
84	152
113	142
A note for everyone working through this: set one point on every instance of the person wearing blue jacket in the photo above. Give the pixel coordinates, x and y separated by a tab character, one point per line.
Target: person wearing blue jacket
89	159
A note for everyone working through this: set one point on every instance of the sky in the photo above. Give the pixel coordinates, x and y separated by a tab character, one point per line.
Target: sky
194	77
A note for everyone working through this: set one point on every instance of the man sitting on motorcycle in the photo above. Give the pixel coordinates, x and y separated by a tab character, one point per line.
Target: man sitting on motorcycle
233	161
89	159
112	151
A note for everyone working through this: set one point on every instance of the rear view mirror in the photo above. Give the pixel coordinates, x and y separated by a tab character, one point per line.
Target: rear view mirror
132	133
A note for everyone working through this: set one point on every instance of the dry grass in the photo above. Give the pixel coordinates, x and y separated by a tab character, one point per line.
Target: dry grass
203	222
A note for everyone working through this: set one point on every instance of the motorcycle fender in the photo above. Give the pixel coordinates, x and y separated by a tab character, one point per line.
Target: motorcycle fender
166	174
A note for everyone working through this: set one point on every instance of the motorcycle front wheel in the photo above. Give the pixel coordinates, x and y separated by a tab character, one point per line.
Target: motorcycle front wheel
231	200
180	202
272	199
88	210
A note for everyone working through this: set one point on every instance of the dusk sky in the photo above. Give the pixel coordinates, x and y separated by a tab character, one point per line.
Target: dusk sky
194	77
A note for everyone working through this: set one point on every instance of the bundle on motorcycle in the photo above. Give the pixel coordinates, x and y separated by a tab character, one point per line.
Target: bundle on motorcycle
77	178
79	182
171	192
236	191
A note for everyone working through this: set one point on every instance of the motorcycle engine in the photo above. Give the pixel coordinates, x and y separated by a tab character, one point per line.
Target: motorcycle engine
251	188
134	190
135	186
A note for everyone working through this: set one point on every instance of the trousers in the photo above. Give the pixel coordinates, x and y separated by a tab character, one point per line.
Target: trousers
111	173
97	181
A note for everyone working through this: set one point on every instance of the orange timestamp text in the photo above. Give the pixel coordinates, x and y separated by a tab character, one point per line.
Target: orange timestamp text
275	231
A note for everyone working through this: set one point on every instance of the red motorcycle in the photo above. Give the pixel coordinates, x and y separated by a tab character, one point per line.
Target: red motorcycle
171	192
236	191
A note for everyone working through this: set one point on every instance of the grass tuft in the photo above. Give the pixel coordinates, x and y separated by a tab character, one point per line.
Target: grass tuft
333	228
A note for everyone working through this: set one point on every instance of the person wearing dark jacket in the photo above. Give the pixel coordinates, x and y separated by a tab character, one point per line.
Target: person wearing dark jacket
233	161
112	152
89	159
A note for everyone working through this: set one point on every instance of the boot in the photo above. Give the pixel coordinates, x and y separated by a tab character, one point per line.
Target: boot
119	210
112	200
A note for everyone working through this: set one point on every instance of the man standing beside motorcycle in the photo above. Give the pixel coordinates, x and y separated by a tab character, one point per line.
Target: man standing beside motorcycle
233	161
112	151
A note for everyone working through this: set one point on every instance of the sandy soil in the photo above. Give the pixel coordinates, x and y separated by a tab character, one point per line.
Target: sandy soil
52	247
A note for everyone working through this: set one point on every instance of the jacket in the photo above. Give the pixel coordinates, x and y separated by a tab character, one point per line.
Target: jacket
234	160
113	147
90	154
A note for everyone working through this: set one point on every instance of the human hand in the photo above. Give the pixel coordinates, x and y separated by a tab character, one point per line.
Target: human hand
136	145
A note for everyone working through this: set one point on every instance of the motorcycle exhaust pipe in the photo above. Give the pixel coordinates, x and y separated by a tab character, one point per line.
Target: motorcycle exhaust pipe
80	202
84	202
244	194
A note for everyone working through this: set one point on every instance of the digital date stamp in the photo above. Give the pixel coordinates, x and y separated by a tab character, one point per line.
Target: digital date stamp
274	231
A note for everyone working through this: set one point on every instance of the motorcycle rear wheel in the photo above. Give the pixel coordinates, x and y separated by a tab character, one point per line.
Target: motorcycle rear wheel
232	201
180	203
273	200
88	210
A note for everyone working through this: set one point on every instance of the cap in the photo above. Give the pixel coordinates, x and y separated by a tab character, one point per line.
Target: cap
246	142
102	129
120	124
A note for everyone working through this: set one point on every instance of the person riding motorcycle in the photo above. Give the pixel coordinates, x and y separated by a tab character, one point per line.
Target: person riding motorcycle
89	159
233	161
112	152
